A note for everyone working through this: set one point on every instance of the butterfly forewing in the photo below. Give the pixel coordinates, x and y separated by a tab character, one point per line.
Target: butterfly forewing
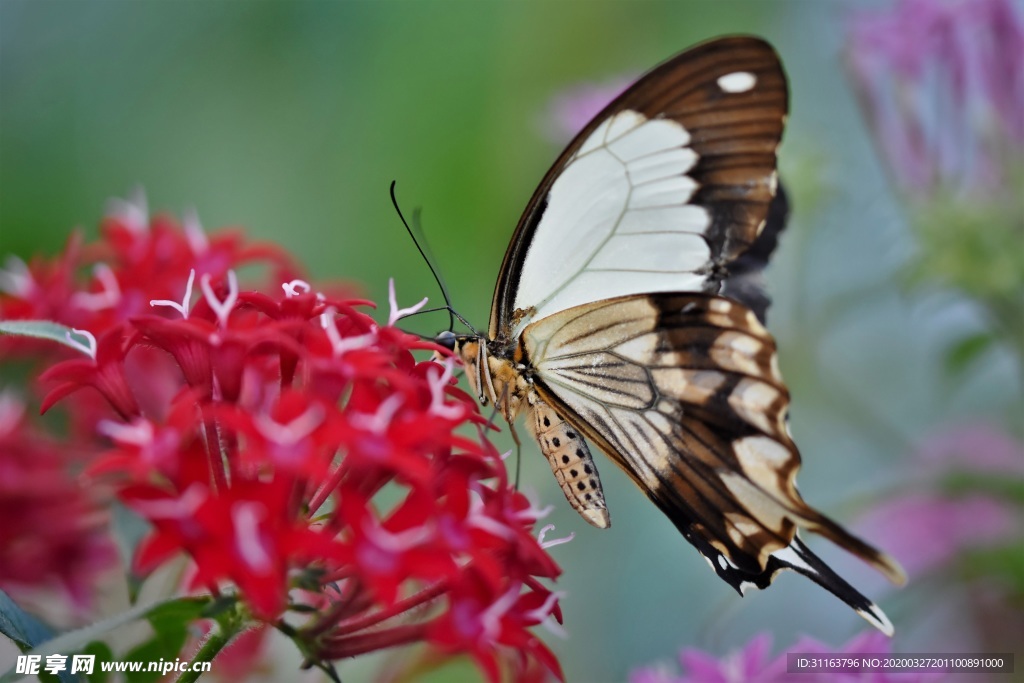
665	187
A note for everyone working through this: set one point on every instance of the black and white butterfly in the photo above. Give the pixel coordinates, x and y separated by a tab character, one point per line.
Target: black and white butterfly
628	312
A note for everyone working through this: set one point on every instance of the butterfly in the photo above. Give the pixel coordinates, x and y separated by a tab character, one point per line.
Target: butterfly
628	312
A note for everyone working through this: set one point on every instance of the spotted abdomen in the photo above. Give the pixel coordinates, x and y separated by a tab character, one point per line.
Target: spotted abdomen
571	462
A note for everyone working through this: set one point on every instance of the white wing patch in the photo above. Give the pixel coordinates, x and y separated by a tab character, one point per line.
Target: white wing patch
617	221
740	81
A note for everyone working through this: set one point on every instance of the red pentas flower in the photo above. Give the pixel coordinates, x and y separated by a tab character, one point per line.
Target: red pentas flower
139	259
296	451
52	529
103	371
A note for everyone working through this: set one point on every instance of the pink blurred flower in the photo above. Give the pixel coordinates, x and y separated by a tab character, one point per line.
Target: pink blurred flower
867	643
928	526
979	447
941	83
752	663
572	109
926	531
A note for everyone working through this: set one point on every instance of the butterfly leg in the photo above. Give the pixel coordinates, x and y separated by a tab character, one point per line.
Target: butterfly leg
510	419
570	461
519	450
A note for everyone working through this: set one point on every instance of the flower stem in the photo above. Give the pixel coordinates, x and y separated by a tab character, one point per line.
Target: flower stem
217	639
354	645
215	451
368	620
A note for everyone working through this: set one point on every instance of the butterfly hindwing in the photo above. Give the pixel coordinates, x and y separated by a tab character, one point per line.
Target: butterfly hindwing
667	186
683	392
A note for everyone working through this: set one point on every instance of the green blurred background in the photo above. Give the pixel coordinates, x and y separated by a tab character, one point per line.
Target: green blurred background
292	118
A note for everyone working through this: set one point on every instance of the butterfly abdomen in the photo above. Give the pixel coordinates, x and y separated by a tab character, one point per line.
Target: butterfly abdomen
504	381
570	461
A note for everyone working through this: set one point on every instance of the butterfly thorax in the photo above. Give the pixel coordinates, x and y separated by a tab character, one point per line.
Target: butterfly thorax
495	372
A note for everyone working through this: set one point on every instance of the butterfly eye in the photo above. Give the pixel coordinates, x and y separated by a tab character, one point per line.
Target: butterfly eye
446	339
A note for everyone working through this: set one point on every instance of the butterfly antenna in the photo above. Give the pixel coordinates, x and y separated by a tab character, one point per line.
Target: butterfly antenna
424	245
430	264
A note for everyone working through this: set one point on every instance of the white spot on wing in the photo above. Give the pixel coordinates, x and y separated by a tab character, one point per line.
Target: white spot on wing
741	527
761	459
752	400
737	352
736	82
691	386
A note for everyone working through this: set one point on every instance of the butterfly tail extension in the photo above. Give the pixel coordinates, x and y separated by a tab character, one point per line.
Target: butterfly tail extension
884	563
799	558
739	571
570	461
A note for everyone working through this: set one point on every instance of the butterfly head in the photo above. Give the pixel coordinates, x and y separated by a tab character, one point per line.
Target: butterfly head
447	339
467	347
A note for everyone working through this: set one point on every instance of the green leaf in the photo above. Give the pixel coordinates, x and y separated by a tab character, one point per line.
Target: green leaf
27	632
223	605
170	624
1001	562
24	629
45	329
102	652
129	529
961	354
1010	489
74	641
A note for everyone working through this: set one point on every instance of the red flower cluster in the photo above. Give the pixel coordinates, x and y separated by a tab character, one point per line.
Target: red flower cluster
53	531
293	448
